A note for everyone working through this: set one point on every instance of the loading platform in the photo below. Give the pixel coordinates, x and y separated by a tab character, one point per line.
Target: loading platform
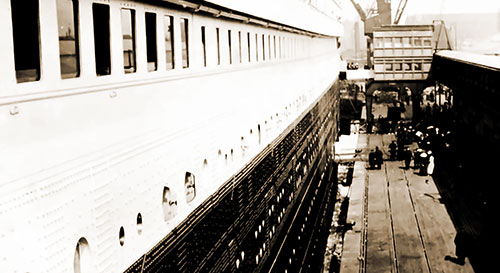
399	221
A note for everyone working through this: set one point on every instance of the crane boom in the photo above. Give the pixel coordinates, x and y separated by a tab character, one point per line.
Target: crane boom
399	12
360	11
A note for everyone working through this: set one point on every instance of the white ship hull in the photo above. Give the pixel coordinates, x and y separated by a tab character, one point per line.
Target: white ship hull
81	158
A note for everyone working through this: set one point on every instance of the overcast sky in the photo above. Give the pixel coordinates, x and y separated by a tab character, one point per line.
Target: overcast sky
433	6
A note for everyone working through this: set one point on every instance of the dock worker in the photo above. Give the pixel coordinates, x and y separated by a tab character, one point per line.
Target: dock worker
424	159
407	158
378	158
392	149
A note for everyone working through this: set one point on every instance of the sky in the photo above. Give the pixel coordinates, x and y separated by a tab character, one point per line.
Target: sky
473	25
433	6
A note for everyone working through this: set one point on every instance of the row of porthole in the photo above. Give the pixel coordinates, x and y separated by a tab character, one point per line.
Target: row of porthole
279	218
168	203
121	234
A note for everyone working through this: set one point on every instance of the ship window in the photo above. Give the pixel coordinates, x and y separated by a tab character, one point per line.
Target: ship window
218	45
388	67
274	41
121	236
417	67
151	41
184	42
101	39
168	23
25	26
203	44
263	47
248	44
256	47
139	224
190	187
81	260
239	45
398	67
67	20
269	46
229	46
279	42
418	42
128	34
407	66
169	204
427	42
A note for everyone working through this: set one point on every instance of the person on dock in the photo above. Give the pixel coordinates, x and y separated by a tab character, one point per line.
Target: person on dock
424	160
430	164
378	158
392	149
407	158
462	246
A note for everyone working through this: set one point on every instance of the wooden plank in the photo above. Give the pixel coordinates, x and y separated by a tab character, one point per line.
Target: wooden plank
437	228
410	253
352	238
379	246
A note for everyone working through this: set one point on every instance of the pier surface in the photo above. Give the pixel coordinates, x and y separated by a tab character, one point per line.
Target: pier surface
400	221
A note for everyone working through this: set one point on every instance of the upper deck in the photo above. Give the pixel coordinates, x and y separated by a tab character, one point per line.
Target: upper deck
319	16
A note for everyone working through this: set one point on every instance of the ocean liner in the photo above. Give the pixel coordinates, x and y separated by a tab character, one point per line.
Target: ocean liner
164	136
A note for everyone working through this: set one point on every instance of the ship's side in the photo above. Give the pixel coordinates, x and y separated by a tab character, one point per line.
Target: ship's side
180	135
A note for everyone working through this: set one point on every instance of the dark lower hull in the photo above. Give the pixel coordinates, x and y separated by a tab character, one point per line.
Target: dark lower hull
269	216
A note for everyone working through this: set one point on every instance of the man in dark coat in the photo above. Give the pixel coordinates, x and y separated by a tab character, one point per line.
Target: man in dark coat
392	149
378	158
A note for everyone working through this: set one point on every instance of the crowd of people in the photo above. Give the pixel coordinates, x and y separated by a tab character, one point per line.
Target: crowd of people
431	131
417	145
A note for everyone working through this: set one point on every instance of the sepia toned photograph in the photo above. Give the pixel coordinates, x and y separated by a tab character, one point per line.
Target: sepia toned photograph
226	136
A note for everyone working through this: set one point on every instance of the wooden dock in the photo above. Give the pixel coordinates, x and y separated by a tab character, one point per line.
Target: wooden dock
401	225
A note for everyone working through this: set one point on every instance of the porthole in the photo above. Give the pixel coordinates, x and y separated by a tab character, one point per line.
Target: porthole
190	187
139	224
121	236
237	263
169	204
81	261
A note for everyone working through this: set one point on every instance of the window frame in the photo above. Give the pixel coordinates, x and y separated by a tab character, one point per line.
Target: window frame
204	45
24	66
133	25
249	48
229	40
151	41
217	39
186	36
76	27
169	65
98	42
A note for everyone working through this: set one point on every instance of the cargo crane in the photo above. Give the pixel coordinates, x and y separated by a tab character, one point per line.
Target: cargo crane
376	17
399	12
